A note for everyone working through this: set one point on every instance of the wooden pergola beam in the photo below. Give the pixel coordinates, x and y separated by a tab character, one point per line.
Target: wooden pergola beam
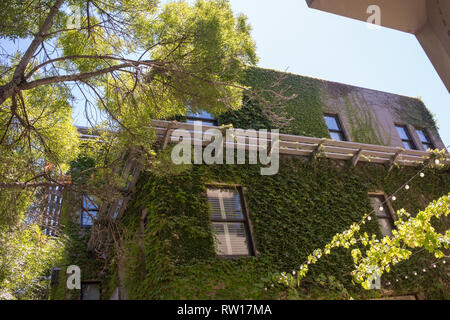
168	134
356	157
394	159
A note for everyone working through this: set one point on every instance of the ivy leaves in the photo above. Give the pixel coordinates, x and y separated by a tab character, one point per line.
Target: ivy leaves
412	232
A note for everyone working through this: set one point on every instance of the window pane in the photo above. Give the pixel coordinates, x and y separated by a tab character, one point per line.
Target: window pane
427	146
407	145
422	136
383	216
232	205
88	217
331	123
377	203
214	201
385	226
118	207
202	114
230	238
90	291
228	225
89	210
54	278
225	204
402	133
89	203
203	122
336	136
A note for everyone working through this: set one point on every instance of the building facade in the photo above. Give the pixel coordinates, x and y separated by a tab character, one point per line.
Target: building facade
222	231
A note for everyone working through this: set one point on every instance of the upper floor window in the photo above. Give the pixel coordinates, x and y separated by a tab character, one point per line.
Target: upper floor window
206	118
383	213
334	127
425	139
89	211
406	137
229	222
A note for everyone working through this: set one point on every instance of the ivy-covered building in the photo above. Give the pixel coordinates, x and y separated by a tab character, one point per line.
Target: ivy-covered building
222	231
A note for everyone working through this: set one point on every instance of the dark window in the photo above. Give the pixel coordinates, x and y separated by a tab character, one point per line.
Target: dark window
229	222
425	139
383	214
406	138
334	127
54	276
206	118
89	211
90	290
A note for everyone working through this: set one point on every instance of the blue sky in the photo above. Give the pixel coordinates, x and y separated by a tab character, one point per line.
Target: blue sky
290	36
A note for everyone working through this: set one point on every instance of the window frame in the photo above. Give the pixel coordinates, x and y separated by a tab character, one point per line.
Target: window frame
191	116
341	130
246	221
391	212
84	212
203	120
54	276
410	139
427	136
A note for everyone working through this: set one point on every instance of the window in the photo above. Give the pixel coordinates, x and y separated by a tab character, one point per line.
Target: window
90	290
229	222
118	207
425	139
406	138
89	211
206	118
54	276
334	127
383	214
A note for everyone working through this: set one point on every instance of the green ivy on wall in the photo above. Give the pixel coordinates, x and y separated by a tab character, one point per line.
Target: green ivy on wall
292	213
363	122
305	109
414	112
76	251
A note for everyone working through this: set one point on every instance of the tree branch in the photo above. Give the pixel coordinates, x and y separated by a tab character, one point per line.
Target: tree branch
23	185
74	77
8	89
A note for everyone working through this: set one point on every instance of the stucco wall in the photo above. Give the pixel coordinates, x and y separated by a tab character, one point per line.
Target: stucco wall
370	116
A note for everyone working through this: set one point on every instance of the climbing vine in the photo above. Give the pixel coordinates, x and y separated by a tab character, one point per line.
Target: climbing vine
292	214
307	203
304	106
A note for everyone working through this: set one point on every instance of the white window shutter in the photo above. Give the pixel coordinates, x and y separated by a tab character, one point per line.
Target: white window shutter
228	223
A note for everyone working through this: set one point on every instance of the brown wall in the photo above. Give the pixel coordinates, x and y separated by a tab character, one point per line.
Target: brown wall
370	116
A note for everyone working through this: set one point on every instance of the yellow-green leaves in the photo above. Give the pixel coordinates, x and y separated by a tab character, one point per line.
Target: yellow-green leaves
26	254
356	253
93	44
414	232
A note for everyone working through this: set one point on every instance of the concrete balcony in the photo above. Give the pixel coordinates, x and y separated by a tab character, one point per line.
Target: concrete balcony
428	20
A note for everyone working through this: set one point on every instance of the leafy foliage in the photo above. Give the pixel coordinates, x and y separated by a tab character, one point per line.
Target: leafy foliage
307	203
304	106
134	61
26	255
